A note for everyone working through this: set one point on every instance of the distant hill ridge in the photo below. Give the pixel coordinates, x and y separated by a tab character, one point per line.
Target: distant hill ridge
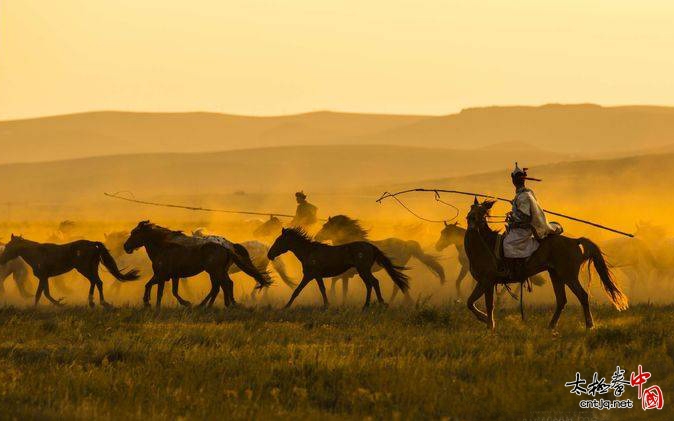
576	129
278	169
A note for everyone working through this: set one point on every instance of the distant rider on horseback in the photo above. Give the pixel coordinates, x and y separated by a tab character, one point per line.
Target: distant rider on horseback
527	225
305	215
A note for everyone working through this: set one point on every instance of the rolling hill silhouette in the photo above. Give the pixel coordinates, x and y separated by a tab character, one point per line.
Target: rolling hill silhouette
281	169
584	130
577	129
111	133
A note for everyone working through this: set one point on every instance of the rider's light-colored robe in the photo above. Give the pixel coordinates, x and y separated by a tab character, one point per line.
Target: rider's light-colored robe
521	242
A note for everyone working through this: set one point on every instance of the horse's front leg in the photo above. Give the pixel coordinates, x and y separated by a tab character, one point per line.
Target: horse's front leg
45	289
175	282
489	303
160	293
321	287
463	271
148	290
478	291
300	287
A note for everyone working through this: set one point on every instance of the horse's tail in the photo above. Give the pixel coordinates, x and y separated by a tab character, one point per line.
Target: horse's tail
429	260
280	268
395	272
242	259
111	266
593	253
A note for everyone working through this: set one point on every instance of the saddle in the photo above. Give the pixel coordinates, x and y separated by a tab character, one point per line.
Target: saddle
513	269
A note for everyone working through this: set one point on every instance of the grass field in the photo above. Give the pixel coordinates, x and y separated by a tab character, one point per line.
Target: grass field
402	362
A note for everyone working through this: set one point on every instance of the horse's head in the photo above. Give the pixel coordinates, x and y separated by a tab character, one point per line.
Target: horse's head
280	245
477	217
138	237
285	242
12	249
450	234
330	229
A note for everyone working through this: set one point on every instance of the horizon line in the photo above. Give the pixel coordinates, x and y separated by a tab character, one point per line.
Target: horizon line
333	111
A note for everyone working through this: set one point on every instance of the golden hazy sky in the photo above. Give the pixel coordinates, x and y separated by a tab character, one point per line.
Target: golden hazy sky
275	57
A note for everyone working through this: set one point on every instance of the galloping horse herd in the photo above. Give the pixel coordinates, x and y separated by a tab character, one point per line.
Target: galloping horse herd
175	255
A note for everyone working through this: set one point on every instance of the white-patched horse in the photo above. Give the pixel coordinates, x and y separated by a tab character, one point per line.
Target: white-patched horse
258	255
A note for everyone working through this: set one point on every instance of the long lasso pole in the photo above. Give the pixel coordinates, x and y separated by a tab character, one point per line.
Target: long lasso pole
195	208
438	191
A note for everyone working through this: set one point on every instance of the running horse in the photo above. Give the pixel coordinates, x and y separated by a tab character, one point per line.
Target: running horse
561	256
47	260
320	260
175	255
341	229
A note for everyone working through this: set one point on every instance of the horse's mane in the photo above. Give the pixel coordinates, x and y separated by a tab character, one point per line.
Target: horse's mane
167	232
300	234
485	224
21	240
349	226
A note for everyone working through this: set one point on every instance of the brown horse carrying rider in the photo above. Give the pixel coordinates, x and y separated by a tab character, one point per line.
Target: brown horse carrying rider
527	225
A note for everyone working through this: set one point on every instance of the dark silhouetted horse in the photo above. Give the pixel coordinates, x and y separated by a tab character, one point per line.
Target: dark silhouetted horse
561	256
175	255
341	229
47	260
321	260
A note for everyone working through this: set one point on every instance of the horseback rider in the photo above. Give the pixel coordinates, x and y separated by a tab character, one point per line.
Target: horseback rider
527	225
305	215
